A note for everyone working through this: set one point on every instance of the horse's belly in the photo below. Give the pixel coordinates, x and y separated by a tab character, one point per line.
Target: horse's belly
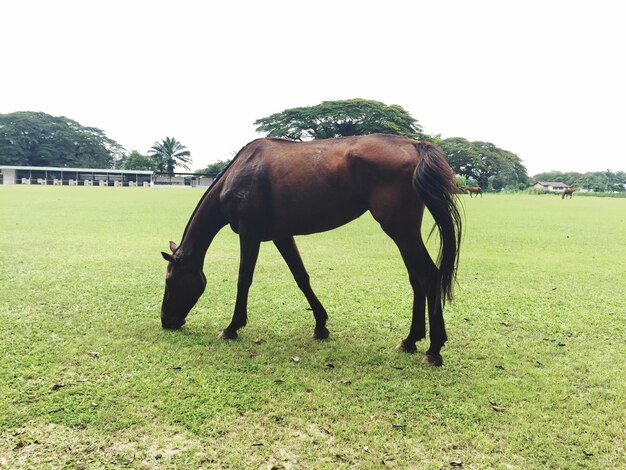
318	216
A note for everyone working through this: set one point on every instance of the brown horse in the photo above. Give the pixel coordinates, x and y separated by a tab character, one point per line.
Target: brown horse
567	192
474	190
275	189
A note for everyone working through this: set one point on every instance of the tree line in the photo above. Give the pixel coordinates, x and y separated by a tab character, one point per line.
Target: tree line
38	139
598	181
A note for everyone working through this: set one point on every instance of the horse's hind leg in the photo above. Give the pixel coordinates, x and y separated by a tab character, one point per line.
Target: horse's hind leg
423	275
402	222
289	251
418	325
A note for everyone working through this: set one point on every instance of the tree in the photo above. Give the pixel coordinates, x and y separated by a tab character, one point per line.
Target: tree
490	166
340	118
170	153
39	139
136	161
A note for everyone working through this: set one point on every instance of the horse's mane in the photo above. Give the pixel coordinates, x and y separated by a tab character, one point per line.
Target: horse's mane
215	181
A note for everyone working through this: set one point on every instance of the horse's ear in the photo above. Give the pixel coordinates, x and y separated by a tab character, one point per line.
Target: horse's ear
168	257
173	246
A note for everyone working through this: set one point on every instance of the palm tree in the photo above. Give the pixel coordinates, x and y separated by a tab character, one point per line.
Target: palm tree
170	153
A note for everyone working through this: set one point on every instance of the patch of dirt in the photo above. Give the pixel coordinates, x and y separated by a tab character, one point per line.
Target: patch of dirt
36	445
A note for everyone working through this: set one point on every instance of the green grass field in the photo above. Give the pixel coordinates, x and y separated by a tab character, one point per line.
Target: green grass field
533	374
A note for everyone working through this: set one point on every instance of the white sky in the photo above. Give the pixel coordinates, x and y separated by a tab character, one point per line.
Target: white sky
543	79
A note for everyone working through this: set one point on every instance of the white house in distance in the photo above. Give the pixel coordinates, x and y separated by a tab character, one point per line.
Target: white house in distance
550	186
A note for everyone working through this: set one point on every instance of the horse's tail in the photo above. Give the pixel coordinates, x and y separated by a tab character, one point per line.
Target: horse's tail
433	180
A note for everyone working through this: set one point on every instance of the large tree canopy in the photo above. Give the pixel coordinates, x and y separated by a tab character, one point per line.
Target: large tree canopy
340	118
490	166
38	139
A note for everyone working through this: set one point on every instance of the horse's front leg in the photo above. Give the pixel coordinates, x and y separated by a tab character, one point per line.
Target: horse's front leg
247	262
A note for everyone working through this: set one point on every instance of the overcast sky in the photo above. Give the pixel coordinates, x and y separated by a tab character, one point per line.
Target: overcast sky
543	79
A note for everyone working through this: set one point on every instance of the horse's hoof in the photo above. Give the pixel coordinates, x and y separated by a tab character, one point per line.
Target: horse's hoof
228	335
406	347
321	333
171	325
433	360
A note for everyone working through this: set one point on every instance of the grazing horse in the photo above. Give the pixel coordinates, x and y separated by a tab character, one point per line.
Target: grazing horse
474	190
274	189
567	192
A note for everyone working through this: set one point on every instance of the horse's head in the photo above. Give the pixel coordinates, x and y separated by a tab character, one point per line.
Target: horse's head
184	284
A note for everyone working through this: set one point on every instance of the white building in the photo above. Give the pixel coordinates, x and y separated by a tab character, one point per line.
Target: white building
73	176
98	177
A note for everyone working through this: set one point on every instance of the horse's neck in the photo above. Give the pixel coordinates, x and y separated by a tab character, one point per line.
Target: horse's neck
204	224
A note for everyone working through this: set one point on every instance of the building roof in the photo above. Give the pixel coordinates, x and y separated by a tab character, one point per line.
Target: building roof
554	184
79	170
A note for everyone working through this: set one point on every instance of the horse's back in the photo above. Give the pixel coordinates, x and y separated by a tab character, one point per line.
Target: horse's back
294	188
319	162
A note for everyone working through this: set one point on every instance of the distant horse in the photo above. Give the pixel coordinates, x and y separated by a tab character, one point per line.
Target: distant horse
567	192
275	189
474	190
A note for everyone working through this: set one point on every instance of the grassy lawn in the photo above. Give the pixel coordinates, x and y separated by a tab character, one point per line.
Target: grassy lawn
533	374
